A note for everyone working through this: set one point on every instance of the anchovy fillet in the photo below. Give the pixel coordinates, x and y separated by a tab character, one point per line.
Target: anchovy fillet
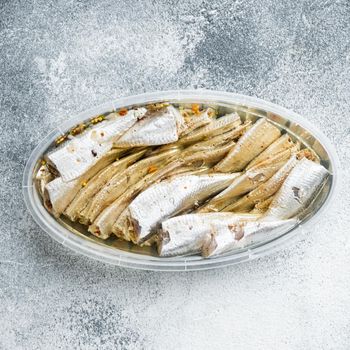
251	144
298	190
76	156
169	197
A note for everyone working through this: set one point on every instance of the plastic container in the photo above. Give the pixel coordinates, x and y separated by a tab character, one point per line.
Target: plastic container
121	253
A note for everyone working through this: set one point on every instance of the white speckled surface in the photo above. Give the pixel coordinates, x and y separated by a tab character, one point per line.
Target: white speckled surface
58	59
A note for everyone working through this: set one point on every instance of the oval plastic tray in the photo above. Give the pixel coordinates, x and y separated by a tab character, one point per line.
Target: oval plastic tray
118	252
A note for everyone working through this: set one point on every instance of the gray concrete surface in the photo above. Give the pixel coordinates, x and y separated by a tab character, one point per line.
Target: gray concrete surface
58	58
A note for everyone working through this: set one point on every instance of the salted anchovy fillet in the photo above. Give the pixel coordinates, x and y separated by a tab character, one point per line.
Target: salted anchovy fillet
241	233
86	193
249	180
185	234
58	194
123	227
195	121
171	196
43	177
118	184
102	226
216	127
221	139
76	156
156	128
265	190
209	156
251	144
281	144
298	190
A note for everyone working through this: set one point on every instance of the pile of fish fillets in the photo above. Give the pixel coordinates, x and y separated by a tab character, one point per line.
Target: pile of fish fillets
185	179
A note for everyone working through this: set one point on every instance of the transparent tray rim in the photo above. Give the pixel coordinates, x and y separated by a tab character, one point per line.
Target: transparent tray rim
126	259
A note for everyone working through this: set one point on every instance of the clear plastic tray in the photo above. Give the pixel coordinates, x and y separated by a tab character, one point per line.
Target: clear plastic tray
121	253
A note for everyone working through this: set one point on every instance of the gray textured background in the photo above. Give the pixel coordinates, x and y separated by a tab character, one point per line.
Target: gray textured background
58	59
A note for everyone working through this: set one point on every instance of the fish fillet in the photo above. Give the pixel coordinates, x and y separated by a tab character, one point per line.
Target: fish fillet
58	194
249	180
171	196
239	234
298	190
250	145
281	144
216	127
76	156
186	234
102	226
86	193
155	128
119	183
265	190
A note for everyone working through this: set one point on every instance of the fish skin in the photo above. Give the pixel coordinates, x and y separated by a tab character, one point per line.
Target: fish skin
298	190
216	127
103	225
248	181
196	121
250	145
123	227
242	233
185	234
118	184
171	196
76	156
265	190
86	193
155	128
58	194
281	144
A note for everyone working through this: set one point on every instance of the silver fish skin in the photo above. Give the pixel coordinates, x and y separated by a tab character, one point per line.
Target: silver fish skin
251	144
298	190
197	121
102	226
156	128
186	234
76	156
58	194
248	181
169	197
266	189
242	233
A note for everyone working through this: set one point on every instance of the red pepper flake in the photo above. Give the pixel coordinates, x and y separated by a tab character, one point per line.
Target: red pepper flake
122	112
152	169
195	108
97	232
